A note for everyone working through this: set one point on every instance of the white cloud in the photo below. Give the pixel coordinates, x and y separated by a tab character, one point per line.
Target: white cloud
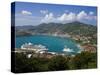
24	12
70	17
82	15
44	11
48	18
66	18
91	13
62	17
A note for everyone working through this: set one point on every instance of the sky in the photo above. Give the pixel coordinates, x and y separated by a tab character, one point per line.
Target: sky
37	13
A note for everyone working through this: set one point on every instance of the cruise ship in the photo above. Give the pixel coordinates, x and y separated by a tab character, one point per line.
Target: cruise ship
36	48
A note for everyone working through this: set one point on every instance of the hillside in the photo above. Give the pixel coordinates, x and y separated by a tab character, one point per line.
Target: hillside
74	28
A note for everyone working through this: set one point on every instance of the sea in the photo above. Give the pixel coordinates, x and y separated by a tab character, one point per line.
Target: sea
53	43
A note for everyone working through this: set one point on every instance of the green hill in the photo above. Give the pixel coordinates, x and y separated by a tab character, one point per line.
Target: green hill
74	28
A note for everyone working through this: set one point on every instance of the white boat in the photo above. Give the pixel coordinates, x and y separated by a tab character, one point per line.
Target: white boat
37	48
67	49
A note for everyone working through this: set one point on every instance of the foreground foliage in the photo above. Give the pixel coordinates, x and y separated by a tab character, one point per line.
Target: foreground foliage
84	60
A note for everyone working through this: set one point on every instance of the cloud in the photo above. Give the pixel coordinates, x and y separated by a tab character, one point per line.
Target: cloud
44	11
63	17
66	18
48	18
91	13
24	12
82	16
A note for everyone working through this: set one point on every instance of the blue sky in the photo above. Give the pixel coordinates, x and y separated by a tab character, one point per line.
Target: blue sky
36	13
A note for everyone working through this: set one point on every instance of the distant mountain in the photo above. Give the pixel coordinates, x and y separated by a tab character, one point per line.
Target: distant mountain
76	28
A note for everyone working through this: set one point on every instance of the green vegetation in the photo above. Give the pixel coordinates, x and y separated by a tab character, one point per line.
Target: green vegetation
75	28
83	60
58	63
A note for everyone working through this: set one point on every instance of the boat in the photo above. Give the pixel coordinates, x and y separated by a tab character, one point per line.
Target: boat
66	49
37	48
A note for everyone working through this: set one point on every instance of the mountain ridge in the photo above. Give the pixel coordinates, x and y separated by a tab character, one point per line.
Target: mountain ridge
76	28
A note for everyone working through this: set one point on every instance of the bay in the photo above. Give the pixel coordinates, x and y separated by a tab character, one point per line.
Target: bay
54	44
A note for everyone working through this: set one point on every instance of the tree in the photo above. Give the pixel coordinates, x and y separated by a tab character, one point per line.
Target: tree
83	60
58	63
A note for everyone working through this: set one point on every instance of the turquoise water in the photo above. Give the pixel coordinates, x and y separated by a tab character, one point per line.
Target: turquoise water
54	44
